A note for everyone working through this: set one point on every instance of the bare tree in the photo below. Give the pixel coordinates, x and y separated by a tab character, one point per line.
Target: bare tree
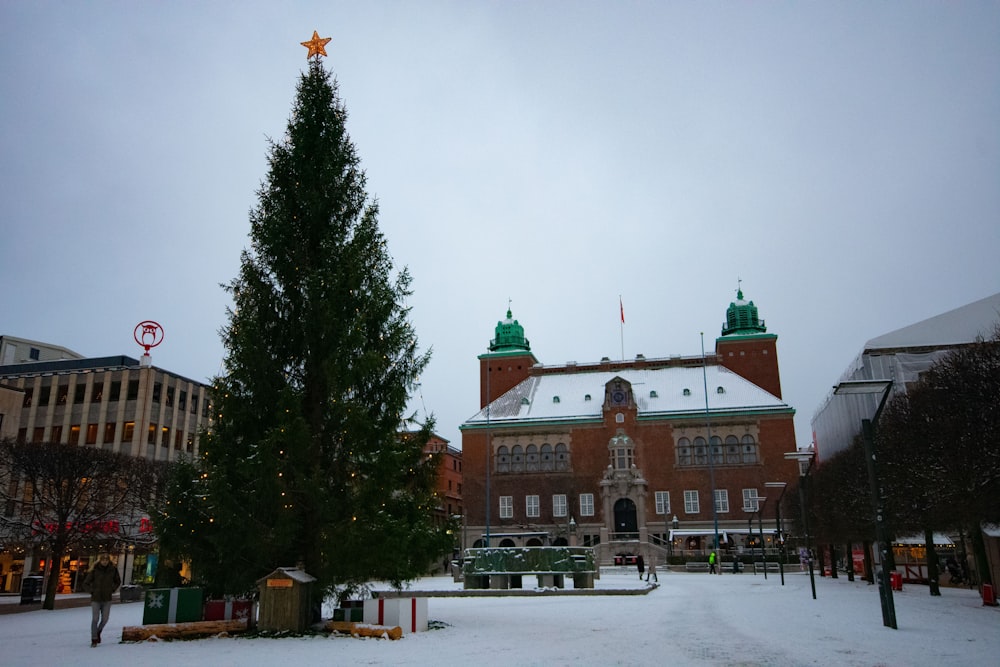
64	496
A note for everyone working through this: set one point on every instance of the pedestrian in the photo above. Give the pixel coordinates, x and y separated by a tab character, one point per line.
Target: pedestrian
102	581
652	570
641	564
711	563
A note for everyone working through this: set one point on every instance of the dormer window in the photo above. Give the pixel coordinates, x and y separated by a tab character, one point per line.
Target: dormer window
687	392
720	390
652	394
555	399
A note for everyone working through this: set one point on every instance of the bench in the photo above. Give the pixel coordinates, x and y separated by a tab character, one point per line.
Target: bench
696	566
759	565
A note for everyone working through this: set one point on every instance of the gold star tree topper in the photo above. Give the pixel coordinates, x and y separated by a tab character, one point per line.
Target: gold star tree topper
316	45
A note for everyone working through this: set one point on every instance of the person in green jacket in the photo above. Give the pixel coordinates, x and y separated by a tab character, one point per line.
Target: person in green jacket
711	563
102	581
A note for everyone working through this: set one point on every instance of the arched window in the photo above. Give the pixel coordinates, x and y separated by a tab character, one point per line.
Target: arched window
700	452
732	450
503	459
548	460
562	457
531	458
716	450
749	446
683	452
517	459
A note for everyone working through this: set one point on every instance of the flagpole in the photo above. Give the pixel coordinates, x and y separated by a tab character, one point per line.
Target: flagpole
621	326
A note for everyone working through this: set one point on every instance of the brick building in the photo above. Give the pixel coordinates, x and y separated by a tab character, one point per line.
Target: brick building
615	454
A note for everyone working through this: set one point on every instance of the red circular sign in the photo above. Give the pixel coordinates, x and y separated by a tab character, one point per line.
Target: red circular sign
148	334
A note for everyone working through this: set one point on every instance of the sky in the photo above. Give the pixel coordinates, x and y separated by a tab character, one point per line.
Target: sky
838	161
690	620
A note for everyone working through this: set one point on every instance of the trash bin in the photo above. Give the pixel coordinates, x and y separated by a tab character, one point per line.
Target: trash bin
130	593
31	589
896	581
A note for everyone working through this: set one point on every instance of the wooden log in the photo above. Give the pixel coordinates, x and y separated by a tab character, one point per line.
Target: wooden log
364	629
135	633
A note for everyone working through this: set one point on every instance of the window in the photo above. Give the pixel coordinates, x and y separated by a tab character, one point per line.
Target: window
559	504
133	390
62	394
91	434
157	391
586	504
116	391
34	353
750	502
109	432
151	435
517	459
98	392
562	457
622	451
749	446
683	452
503	459
182	403
691	504
548	461
78	393
716	450
662	502
700	452
43	397
531	506
506	507
732	450
128	432
721	501
27	397
531	458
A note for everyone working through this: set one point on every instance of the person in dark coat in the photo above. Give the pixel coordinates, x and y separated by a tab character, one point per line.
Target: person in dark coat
641	564
102	581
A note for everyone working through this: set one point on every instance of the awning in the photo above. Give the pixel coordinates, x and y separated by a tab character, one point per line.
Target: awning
940	539
698	533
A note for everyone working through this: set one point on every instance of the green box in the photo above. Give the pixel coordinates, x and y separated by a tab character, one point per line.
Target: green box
355	614
172	605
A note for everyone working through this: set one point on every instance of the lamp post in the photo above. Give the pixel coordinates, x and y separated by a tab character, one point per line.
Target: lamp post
676	524
777	523
759	511
882	387
805	459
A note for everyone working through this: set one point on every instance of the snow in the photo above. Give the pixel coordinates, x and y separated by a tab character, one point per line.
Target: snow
689	619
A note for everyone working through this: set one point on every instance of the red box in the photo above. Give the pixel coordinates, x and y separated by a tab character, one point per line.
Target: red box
228	610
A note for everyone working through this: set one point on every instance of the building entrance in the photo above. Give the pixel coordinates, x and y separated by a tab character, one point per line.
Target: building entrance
626	521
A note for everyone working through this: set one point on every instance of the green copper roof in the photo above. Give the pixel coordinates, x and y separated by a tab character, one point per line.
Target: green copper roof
509	336
741	317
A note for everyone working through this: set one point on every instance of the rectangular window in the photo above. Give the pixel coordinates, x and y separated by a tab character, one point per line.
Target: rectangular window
109	432
721	501
157	390
98	392
750	503
78	393
170	396
37	434
43	397
531	506
133	390
56	434
91	434
128	432
34	353
559	504
165	440
506	507
151	435
62	394
182	403
178	439
663	502
586	504
28	393
691	504
116	391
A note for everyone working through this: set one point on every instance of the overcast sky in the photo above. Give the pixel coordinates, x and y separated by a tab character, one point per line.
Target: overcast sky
842	159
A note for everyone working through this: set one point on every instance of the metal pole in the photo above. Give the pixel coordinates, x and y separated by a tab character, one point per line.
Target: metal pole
881	531
781	541
805	529
763	551
711	457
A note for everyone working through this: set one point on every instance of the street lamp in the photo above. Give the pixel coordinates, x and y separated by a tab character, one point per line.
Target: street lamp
805	458
777	523
676	524
882	387
760	525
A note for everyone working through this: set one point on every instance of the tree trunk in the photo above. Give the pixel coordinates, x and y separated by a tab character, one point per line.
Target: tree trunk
53	567
821	555
849	559
869	564
833	561
933	573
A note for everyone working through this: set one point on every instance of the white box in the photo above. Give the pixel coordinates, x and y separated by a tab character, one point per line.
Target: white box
410	614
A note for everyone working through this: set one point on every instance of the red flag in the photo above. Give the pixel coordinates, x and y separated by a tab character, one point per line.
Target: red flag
622	308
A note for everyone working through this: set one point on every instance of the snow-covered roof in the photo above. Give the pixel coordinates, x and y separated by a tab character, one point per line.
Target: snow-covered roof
292	573
674	391
955	327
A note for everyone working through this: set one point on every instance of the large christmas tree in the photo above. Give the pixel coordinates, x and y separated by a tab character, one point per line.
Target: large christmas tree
309	460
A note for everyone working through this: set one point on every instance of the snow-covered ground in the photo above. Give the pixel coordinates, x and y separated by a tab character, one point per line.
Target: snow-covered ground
690	619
